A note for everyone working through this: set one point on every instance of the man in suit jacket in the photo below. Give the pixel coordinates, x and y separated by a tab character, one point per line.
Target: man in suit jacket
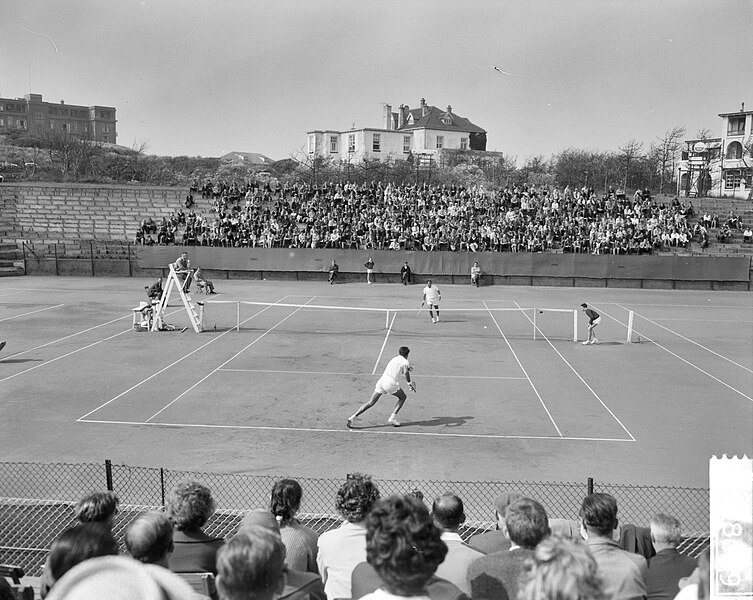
668	566
624	573
496	540
496	575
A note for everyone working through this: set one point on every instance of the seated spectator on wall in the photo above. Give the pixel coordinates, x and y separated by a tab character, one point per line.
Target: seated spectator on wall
99	507
747	235
189	506
497	540
403	546
154	291
448	514
496	575
623	572
300	541
405	274
76	544
149	538
341	549
561	569
251	566
668	566
202	282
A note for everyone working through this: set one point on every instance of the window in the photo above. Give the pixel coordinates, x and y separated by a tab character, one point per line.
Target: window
333	144
85	127
734	150
732	179
440	141
464	143
376	142
406	144
21	124
107	129
2	122
351	142
736	126
312	143
447	119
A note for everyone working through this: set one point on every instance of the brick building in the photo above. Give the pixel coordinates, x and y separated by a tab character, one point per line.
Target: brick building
36	117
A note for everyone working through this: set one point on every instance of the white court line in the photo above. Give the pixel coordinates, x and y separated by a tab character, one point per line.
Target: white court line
522	368
153	375
423	375
391	431
384	343
32	312
208	375
696	320
4	294
689	340
643	335
583	381
707	305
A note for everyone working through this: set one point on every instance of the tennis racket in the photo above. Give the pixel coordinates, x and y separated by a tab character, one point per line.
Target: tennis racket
420	309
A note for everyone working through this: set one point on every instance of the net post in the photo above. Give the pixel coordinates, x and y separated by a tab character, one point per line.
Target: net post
237	317
575	325
387	319
631	314
201	316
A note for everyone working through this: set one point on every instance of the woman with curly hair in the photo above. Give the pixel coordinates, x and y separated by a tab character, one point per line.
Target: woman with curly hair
300	541
189	506
341	549
404	546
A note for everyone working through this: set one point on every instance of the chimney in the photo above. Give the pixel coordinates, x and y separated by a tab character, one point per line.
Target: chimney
449	108
401	116
742	108
423	107
387	116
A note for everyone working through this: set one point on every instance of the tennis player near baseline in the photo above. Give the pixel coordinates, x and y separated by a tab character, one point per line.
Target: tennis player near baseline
594	319
431	298
389	383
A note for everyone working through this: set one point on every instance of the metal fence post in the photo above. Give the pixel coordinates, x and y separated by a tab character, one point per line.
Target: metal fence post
162	484
590	485
57	269
108	474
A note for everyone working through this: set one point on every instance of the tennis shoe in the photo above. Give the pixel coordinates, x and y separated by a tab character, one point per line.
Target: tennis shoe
586	342
350	422
393	421
593	341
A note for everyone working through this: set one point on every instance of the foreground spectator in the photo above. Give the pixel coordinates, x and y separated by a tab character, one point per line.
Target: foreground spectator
403	546
496	575
99	507
561	569
300	541
449	515
250	566
668	566
149	538
120	578
189	506
698	585
341	549
299	585
73	546
497	540
623	572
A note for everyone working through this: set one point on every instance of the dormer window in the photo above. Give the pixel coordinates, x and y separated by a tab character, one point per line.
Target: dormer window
447	119
410	119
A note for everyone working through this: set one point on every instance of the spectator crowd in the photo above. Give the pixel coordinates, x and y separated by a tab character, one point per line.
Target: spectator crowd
384	216
384	549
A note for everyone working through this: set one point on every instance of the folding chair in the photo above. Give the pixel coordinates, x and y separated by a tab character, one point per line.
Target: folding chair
201	583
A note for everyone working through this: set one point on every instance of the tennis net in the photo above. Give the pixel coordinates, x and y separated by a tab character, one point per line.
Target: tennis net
519	322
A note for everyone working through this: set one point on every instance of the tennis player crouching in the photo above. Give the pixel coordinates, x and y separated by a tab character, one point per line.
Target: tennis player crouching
389	383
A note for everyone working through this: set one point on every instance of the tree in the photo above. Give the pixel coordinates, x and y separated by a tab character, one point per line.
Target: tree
630	151
664	154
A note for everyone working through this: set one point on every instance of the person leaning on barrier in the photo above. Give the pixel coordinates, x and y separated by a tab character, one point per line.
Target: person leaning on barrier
561	569
668	566
149	538
188	506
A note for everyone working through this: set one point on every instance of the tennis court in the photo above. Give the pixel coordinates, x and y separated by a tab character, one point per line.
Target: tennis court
503	390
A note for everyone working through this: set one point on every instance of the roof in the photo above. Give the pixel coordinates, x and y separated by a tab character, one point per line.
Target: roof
436	118
737	113
249	158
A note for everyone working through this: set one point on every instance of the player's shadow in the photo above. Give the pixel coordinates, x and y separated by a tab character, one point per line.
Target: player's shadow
20	360
439	422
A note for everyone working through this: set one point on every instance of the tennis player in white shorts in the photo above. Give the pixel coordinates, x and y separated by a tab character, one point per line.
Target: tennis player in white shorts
431	298
389	383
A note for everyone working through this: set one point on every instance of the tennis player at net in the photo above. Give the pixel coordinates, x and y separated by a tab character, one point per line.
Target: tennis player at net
594	319
389	383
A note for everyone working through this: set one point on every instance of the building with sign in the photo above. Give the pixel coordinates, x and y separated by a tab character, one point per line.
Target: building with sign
720	166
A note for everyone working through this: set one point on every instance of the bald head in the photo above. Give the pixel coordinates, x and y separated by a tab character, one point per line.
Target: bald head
149	538
447	511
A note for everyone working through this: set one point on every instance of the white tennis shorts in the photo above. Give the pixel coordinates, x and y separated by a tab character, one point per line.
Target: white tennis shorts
387	385
596	321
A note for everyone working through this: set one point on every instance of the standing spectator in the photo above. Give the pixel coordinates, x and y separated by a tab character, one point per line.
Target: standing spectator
341	549
405	274
334	271
624	573
668	566
369	264
496	575
149	538
448	515
497	540
562	570
189	506
300	541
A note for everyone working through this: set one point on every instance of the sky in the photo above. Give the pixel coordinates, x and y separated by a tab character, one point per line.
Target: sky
206	77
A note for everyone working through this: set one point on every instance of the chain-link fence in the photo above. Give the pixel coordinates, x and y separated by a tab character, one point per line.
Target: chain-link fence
37	502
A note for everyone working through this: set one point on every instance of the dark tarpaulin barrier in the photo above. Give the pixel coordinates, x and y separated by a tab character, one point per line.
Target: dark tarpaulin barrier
603	266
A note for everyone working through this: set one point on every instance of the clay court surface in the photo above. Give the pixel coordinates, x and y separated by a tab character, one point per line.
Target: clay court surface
77	384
